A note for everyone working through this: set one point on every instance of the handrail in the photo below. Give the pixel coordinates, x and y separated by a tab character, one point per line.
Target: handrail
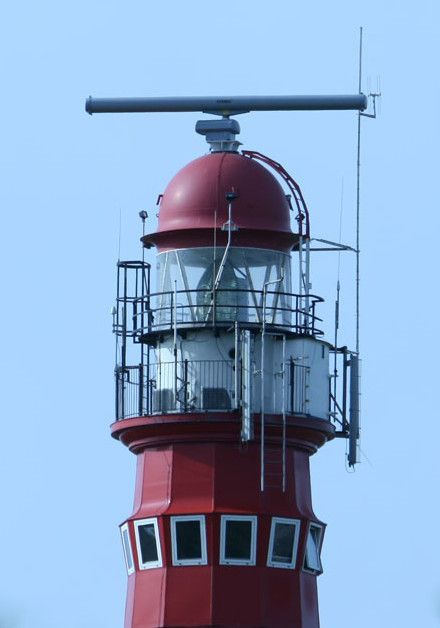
285	312
303	212
203	385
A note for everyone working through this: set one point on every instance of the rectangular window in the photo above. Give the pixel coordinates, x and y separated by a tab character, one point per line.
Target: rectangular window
238	537
283	543
188	536
128	554
148	543
312	558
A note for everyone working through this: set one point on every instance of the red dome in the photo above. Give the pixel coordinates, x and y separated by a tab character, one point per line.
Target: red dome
194	202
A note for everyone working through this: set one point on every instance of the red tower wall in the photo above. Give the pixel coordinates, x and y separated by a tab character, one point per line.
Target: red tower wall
188	475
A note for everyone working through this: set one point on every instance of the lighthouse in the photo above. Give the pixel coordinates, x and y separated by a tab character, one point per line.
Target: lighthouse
224	386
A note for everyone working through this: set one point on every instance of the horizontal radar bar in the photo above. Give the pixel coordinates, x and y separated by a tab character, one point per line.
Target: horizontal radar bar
226	105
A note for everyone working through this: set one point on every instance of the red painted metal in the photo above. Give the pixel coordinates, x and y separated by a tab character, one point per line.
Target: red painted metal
194	205
204	471
193	464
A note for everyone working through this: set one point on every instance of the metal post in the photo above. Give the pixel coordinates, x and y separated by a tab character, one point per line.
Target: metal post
236	395
247	424
116	327
228	246
354	411
263	334
149	400
142	299
117	414
175	340
283	375
292	386
123	354
300	278
150	316
124	322
344	390
262	421
307	285
141	389
134	302
358	201
185	385
335	361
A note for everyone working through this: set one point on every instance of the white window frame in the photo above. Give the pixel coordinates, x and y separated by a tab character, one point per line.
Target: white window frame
151	564
238	561
320	529
185	562
296	523
124	528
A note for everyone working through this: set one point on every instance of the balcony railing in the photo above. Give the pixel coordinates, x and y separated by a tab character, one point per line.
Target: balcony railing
200	386
162	311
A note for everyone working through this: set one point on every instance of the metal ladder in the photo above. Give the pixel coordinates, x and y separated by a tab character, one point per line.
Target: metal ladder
273	459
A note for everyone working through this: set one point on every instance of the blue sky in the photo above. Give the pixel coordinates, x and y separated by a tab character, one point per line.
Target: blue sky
66	177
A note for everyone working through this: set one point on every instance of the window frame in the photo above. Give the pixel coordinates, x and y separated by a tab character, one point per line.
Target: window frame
252	561
320	529
296	523
187	562
151	564
125	528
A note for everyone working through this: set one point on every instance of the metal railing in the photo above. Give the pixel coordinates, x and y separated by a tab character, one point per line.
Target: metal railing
193	386
185	308
133	392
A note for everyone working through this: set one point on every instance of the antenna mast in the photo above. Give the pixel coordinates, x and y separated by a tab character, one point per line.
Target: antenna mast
358	180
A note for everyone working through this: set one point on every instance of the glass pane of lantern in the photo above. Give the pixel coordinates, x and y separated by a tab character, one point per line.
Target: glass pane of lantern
193	272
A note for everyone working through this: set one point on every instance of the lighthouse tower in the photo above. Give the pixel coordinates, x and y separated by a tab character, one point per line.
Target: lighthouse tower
223	392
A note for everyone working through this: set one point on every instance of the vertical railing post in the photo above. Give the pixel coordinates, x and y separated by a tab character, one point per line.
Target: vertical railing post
344	390
148	404
176	392
292	386
117	413
236	351
329	409
141	300
141	390
185	386
297	314
122	392
283	374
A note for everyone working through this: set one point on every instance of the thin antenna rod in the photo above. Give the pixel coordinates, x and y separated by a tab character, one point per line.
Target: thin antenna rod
119	235
337	302
358	186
